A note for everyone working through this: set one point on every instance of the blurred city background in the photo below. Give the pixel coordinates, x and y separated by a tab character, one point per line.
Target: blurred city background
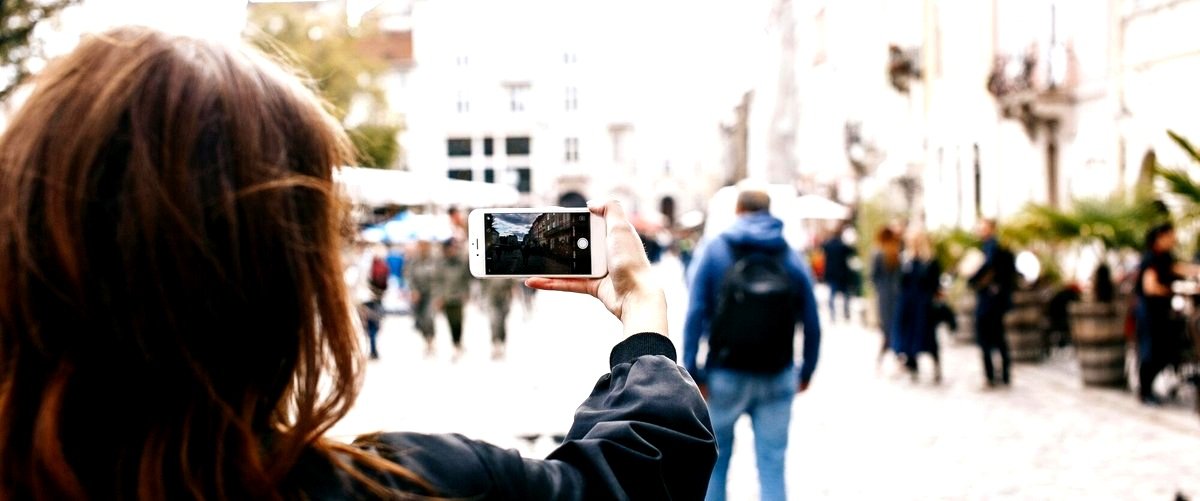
1068	121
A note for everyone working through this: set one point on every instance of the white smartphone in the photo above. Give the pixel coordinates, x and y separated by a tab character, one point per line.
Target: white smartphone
546	242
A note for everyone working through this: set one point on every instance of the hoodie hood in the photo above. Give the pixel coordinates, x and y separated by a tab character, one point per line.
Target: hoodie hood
760	230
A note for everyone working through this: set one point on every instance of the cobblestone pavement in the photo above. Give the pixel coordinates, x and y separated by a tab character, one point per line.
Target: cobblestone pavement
863	431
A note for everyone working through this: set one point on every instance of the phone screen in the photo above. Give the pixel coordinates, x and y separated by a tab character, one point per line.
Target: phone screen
537	243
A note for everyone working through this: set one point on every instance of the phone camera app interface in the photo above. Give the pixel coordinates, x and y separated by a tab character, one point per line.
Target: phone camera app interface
537	243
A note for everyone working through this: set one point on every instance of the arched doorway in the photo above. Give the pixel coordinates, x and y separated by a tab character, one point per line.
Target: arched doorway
572	199
666	206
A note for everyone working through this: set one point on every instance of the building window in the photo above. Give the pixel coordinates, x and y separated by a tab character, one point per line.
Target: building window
461	174
462	60
489	175
516	145
524	179
569	58
488	149
458	147
572	99
572	149
620	134
462	104
517	96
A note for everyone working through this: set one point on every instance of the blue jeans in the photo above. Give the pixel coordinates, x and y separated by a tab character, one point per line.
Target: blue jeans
767	398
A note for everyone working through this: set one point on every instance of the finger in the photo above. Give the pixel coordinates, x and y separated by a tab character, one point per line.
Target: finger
575	285
597	208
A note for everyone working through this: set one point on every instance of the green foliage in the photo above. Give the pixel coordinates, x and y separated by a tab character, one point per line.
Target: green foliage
323	47
951	245
1179	183
376	145
1117	222
19	20
1185	145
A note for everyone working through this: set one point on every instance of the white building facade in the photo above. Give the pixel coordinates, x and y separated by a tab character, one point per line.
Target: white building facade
505	98
548	97
1007	102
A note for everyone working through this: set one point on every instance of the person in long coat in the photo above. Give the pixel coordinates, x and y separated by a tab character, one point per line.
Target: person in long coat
916	316
885	276
838	274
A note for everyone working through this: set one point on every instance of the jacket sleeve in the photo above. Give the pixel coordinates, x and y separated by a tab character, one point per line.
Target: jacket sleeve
701	299
643	433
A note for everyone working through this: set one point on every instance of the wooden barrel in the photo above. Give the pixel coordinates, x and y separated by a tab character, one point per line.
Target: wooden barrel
1098	330
1025	326
964	314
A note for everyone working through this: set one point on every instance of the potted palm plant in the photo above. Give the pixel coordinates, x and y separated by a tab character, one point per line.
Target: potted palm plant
1105	228
1115	225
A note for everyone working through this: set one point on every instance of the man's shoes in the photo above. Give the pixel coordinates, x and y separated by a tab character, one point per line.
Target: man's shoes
1151	400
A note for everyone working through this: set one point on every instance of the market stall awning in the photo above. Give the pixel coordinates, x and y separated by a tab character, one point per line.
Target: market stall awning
377	187
818	207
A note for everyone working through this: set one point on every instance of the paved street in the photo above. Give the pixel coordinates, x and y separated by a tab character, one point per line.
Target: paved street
861	432
516	261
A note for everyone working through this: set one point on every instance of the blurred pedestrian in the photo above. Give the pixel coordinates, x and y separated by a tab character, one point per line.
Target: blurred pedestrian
686	244
458	224
372	310
838	274
498	294
453	288
749	291
994	283
1158	333
395	261
917	316
885	276
421	274
528	294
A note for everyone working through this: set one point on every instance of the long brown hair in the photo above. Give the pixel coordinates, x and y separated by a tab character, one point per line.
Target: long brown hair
889	247
173	320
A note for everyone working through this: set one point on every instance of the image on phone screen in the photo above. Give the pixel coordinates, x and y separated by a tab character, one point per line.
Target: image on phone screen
537	243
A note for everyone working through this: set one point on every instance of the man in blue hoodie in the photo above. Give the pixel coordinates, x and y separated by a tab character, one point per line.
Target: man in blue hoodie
765	393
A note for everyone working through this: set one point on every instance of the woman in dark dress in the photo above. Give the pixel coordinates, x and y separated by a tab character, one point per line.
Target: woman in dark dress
916	318
885	276
1157	334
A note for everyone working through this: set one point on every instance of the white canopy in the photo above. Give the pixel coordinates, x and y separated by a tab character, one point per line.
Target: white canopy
378	187
819	207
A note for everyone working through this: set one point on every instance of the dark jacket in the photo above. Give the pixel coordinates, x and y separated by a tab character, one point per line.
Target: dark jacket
644	433
761	231
837	262
995	281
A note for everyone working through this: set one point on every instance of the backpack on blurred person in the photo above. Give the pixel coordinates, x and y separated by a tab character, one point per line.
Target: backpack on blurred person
755	320
378	279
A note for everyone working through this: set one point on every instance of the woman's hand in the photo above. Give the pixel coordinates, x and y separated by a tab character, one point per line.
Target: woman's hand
629	290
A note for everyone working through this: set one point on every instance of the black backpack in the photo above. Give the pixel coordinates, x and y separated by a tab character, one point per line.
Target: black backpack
755	321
